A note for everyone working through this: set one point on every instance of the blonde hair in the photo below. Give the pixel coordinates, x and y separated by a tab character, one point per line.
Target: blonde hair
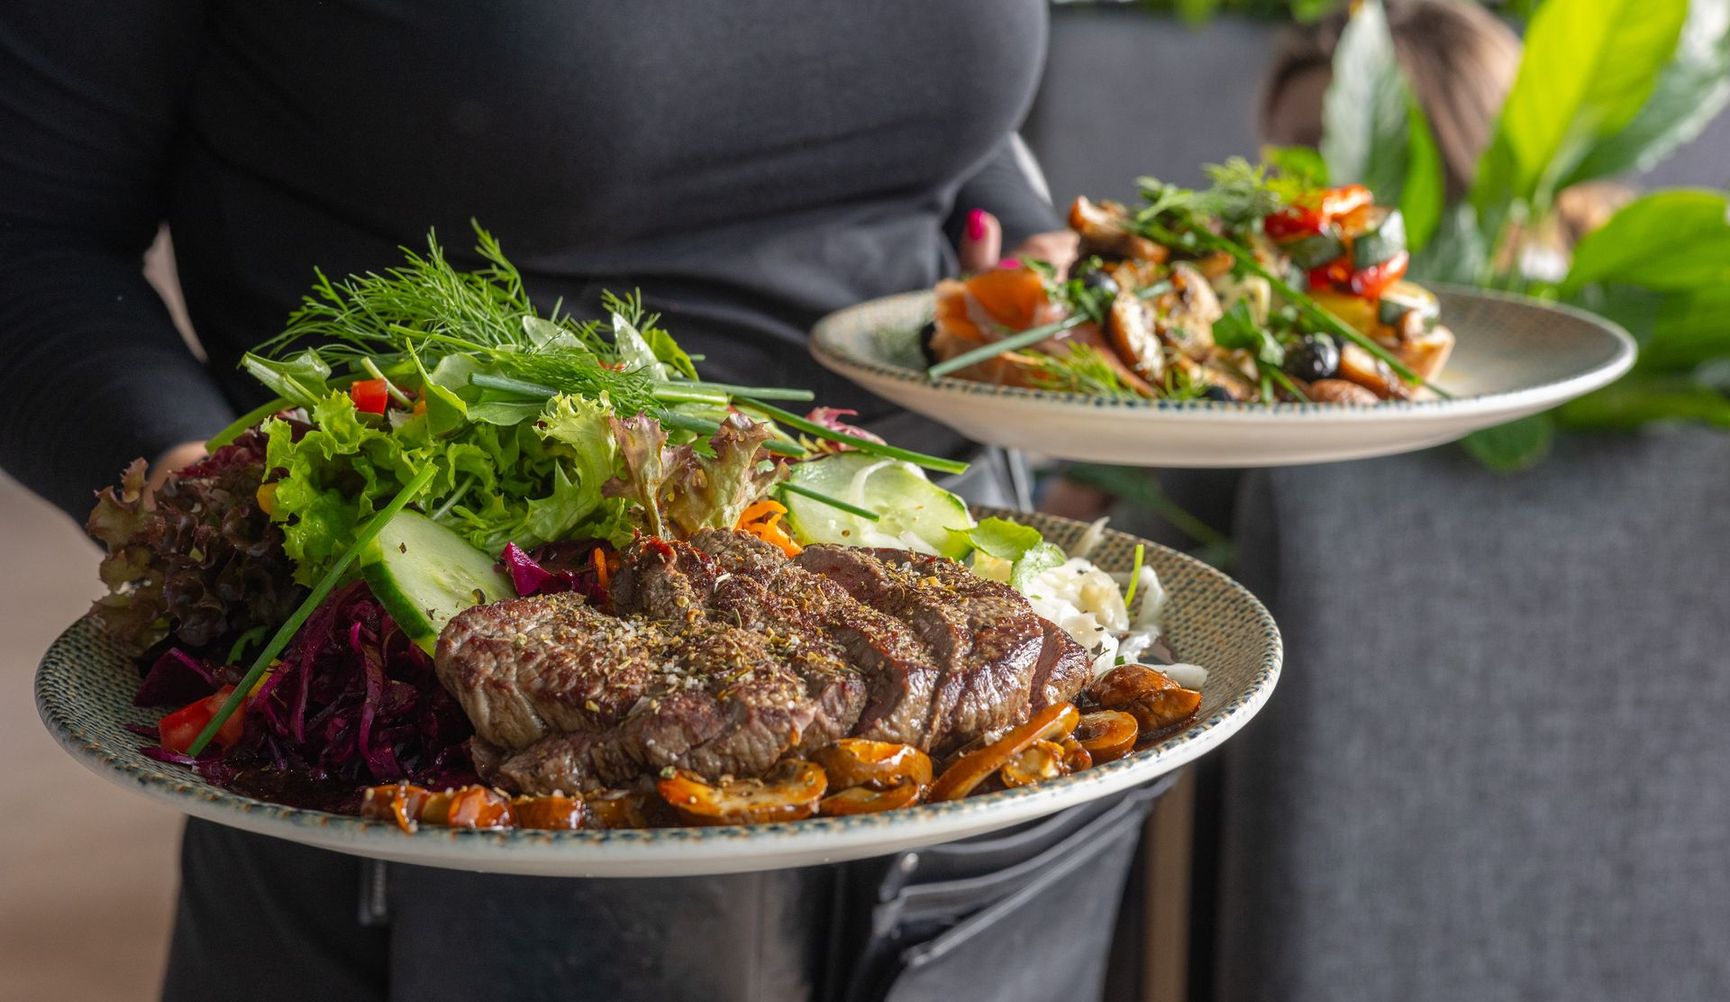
1459	58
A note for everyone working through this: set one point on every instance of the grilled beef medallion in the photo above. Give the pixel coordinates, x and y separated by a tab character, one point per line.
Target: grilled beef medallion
722	656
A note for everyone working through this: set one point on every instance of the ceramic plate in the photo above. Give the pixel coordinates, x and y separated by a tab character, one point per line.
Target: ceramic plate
84	690
1514	357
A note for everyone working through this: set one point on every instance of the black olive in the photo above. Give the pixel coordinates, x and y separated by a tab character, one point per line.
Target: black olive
926	333
1094	278
1218	392
1314	357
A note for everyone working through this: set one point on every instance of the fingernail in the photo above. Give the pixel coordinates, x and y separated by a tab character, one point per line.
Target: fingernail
1009	262
976	224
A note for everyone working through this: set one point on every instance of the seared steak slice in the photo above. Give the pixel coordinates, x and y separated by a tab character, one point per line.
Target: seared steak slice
985	638
662	579
529	667
701	695
762	589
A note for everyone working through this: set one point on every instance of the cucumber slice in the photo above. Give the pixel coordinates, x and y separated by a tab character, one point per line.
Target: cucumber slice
423	574
1403	297
912	512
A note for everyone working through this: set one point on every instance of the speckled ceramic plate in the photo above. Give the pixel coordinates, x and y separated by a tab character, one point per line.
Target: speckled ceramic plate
84	690
1515	356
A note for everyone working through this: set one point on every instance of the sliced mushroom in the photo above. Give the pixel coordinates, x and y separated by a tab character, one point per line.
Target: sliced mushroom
974	767
1107	734
1129	324
1040	760
1185	316
1147	694
1338	391
467	807
1075	757
1426	353
554	812
881	765
617	809
1104	233
399	802
1371	373
790	792
865	800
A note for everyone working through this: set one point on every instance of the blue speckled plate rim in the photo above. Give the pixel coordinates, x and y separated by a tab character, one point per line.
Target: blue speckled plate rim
168	784
836	354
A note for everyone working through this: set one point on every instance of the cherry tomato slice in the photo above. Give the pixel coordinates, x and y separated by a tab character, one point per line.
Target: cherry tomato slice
398	802
179	729
554	812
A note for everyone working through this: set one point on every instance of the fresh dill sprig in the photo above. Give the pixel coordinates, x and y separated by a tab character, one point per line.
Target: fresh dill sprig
1082	369
1240	193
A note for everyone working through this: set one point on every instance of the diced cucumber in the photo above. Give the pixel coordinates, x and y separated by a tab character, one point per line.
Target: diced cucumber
1383	237
913	513
423	574
1403	297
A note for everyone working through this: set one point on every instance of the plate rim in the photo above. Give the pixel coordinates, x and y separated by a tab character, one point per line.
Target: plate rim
839	359
632	852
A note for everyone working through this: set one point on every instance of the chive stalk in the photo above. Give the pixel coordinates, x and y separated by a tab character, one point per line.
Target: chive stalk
245	422
864	445
314	598
1027	338
833	502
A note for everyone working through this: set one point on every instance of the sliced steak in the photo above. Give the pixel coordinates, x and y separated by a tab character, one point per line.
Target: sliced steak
760	588
699	695
983	635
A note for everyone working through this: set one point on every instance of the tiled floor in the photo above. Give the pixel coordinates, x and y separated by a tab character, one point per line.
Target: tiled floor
87	871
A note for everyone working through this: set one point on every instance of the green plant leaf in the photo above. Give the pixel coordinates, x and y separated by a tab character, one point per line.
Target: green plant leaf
1691	328
1588	69
1641	399
1455	253
1364	113
1423	197
1374	132
1690	92
1512	447
1671	241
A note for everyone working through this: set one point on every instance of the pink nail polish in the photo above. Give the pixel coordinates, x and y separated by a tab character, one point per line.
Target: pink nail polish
976	224
1009	262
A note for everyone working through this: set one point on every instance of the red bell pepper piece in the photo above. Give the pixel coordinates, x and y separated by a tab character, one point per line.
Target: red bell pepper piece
370	395
179	729
1314	210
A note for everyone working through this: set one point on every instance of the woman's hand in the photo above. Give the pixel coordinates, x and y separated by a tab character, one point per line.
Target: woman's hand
982	245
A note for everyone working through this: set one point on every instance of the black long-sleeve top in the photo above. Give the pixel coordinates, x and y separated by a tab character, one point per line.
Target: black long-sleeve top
749	164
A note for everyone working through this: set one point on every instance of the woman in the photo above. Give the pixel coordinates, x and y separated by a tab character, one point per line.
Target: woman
748	165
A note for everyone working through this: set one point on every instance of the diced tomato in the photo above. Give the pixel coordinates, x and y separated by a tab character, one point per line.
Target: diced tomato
370	395
1334	274
179	729
1315	209
1371	282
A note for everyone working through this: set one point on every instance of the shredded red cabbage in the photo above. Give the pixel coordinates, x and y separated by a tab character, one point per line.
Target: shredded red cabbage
352	702
556	567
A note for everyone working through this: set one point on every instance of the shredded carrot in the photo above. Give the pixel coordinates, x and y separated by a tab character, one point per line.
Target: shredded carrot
763	520
602	574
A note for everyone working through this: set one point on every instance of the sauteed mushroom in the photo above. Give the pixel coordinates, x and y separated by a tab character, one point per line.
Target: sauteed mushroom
789	792
1147	694
1107	734
881	765
973	768
617	809
1040	760
865	800
555	811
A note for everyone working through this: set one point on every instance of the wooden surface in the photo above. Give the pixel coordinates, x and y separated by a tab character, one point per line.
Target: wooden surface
1170	830
87	871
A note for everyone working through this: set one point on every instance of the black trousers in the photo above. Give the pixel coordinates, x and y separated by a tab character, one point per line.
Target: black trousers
1022	914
